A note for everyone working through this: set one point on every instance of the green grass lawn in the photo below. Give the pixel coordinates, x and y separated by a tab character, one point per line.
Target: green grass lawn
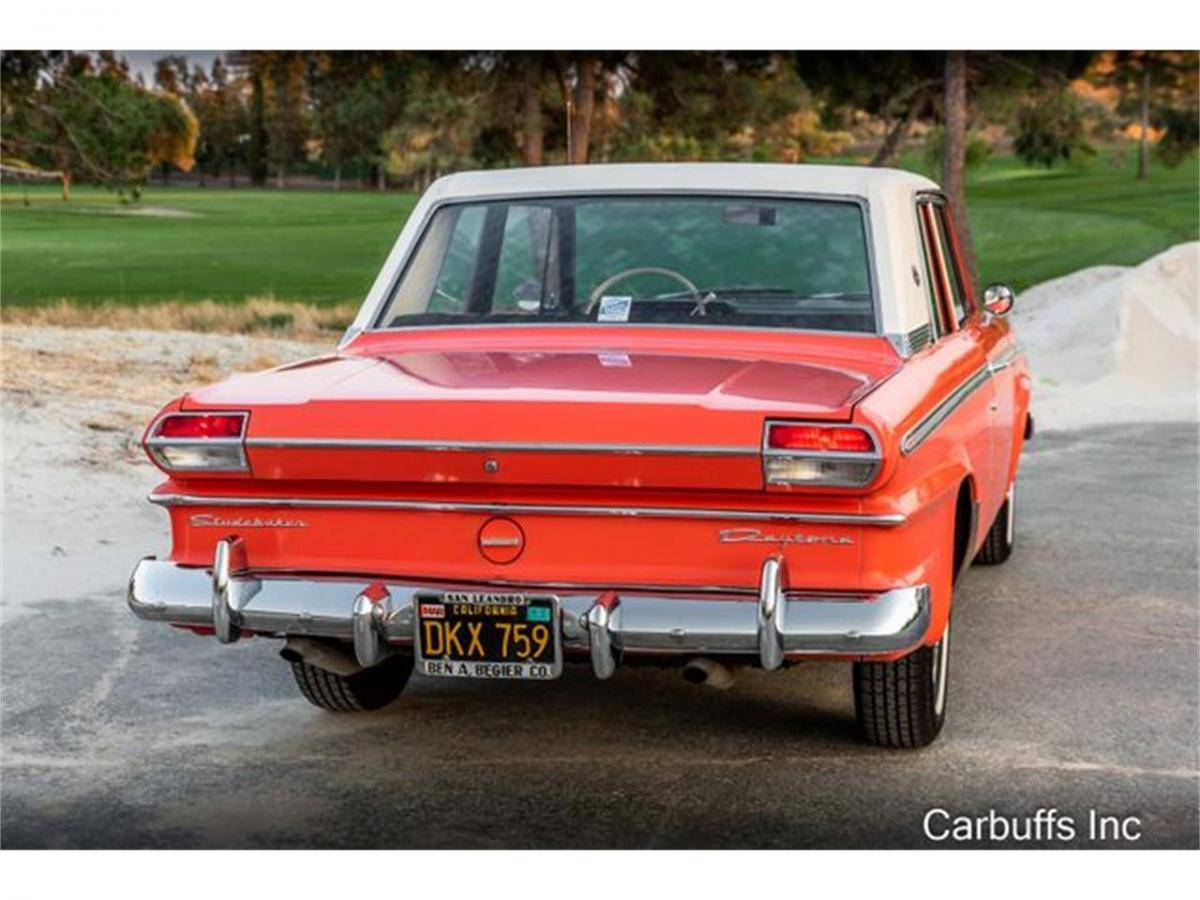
1034	224
325	247
320	246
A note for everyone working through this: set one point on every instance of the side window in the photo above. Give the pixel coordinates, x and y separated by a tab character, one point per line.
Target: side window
950	297
958	292
935	289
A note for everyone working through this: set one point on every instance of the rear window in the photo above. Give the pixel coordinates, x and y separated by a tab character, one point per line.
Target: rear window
787	263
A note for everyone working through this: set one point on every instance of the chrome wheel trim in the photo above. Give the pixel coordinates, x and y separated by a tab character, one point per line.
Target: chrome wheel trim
941	665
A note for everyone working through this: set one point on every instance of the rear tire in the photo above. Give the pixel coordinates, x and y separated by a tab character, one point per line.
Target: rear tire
903	703
372	688
1001	537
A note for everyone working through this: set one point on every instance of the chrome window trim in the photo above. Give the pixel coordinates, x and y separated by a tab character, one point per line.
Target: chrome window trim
858	200
886	520
930	289
638	326
919	433
424	444
971	304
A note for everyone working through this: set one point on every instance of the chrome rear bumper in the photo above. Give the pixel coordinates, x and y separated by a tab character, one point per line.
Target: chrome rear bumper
377	615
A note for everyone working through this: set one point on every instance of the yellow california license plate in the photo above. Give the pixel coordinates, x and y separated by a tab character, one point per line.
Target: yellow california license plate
479	635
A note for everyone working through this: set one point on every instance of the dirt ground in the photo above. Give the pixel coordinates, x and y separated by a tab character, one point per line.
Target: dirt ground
75	403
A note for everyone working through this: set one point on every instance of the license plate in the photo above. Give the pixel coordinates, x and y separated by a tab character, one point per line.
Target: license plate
488	636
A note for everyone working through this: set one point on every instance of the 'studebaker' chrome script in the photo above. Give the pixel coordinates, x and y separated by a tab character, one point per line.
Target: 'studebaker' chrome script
205	520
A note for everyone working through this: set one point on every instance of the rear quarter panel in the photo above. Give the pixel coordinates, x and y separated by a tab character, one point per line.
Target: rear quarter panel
923	484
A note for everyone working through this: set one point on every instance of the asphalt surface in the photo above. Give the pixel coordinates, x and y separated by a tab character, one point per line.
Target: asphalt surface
1073	686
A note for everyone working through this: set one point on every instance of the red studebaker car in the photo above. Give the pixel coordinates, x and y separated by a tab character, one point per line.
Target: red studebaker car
709	415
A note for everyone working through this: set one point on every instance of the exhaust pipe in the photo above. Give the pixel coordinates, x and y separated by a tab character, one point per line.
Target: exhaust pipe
703	670
332	656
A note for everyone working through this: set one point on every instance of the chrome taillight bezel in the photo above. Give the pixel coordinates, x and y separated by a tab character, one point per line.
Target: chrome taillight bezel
858	468
233	449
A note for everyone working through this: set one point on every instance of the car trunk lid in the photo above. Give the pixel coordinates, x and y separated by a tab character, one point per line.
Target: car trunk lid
652	414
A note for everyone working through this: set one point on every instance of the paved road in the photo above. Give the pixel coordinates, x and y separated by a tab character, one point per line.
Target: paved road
1074	686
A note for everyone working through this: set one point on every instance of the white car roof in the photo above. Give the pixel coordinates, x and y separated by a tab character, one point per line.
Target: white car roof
848	180
889	196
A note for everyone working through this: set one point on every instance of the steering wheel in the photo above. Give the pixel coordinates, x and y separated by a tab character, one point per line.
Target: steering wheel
595	295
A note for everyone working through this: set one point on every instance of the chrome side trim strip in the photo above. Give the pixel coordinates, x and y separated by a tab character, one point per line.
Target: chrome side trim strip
1004	360
919	433
651	512
503	447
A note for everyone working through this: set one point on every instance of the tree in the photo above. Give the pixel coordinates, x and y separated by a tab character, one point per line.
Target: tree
585	79
701	105
990	76
224	125
172	78
578	74
252	65
896	87
1161	86
512	87
356	97
954	111
171	74
88	118
533	67
1049	128
1182	132
285	117
438	128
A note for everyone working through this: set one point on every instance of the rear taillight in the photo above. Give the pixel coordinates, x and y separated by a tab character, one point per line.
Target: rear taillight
805	453
819	438
194	442
202	425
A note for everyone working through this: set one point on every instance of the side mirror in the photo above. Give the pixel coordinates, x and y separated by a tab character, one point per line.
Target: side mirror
998	299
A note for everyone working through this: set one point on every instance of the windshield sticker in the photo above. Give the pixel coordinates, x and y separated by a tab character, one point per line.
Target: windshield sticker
614	309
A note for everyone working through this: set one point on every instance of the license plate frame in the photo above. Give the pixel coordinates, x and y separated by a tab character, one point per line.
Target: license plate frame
442	665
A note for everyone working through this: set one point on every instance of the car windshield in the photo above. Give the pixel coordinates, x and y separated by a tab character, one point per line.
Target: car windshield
680	260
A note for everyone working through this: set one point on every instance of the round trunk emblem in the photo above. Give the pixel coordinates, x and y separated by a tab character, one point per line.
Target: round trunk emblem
501	540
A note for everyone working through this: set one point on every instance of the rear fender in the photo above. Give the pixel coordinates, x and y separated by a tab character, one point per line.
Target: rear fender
921	551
